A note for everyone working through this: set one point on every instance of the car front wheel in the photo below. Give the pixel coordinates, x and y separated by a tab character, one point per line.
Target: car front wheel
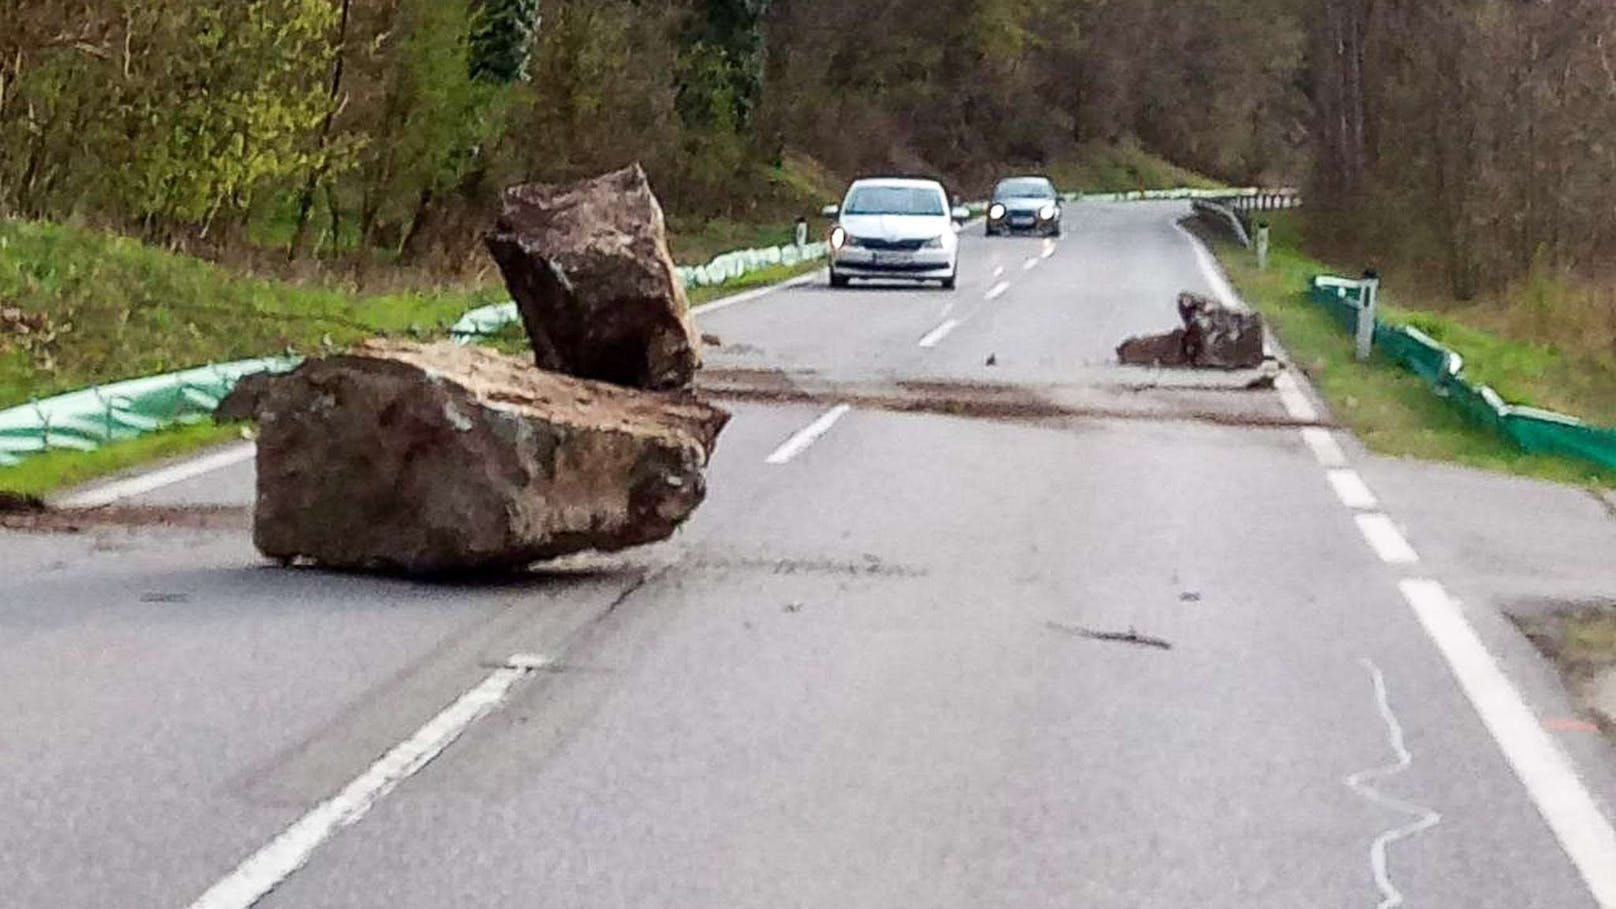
837	280
950	281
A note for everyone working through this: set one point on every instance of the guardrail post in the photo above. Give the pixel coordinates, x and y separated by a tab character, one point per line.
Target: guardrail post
1370	289
1262	245
802	232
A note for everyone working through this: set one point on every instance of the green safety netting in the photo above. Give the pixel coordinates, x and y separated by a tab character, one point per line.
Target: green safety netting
1530	428
85	420
488	320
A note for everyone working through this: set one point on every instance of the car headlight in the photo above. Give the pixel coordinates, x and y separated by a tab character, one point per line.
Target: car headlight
996	213
933	243
838	238
1047	212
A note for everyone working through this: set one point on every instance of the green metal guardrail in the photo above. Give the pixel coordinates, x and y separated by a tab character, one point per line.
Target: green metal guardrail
1531	429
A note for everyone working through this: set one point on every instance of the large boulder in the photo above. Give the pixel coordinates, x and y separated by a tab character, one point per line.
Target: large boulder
1214	336
588	266
420	459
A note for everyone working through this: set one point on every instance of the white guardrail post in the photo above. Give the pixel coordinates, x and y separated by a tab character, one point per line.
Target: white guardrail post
1366	314
1262	245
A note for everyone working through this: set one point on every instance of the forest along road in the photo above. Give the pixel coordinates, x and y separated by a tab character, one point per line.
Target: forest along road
1045	632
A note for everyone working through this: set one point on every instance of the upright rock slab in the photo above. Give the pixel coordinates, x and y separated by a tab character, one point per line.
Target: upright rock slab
433	459
1218	336
588	266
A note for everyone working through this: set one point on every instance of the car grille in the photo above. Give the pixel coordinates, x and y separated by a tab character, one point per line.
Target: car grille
903	245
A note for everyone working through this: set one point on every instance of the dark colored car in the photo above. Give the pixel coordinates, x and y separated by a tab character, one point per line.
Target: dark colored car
1027	205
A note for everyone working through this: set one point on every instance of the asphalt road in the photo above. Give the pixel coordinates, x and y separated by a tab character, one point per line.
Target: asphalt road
1045	632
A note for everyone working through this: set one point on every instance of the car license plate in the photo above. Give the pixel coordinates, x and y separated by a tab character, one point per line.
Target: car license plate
893	258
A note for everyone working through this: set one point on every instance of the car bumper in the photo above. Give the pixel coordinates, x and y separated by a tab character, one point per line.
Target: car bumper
1013	225
862	263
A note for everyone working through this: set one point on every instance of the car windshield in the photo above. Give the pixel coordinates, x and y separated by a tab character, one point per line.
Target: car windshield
894	200
1025	188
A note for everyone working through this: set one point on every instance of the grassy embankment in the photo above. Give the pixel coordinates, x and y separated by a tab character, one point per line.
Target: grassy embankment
1395	413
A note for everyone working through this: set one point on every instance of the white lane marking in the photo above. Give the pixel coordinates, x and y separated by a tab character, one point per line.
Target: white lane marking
1049	249
936	335
750	295
998	272
799	443
157	479
996	291
1296	403
1549	776
1352	490
1424	818
265	869
1386	539
1324	446
1210	270
1030	264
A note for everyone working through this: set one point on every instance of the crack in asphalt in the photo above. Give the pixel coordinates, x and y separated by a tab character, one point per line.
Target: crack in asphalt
1424	818
1116	637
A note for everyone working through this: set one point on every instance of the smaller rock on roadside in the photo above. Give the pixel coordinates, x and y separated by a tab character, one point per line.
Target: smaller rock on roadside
1214	336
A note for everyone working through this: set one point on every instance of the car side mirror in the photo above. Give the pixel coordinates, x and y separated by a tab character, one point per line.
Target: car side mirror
961	214
831	211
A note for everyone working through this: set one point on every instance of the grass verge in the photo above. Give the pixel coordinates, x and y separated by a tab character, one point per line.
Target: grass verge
1391	410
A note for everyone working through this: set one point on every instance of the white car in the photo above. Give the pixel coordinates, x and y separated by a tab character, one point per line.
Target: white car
895	229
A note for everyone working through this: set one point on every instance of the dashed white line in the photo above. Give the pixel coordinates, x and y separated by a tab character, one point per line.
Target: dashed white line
1030	264
1324	446
1352	490
936	335
1551	780
1424	818
998	272
1296	403
265	869
1386	540
799	443
157	479
1049	249
997	290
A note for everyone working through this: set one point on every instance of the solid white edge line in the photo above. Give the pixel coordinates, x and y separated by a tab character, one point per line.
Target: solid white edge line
1296	403
267	868
1210	270
1325	448
936	335
807	436
157	479
1585	834
750	295
1387	541
1352	490
996	291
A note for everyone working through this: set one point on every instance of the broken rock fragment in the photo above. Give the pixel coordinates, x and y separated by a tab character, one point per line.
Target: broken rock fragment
427	459
1214	336
589	268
